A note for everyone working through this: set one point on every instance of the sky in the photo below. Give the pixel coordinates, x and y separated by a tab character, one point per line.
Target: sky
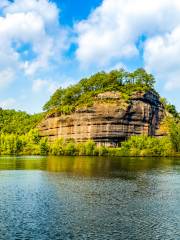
45	45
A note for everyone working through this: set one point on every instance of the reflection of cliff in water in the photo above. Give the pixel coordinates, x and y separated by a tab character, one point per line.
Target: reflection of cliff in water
90	166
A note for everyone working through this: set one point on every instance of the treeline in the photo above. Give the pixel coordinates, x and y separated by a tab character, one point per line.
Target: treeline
26	144
66	100
82	94
32	144
170	108
17	122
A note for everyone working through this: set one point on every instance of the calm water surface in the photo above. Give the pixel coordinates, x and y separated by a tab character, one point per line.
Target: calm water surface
89	198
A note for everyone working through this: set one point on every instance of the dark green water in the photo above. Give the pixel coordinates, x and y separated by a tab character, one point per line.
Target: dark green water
89	198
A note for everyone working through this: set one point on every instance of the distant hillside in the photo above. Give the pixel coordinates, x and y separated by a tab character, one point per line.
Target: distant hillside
17	122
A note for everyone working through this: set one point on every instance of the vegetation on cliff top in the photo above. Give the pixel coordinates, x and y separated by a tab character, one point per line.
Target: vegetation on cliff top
67	100
82	94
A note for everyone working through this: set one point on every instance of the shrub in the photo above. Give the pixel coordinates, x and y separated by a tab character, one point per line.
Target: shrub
174	129
70	149
90	147
44	148
57	147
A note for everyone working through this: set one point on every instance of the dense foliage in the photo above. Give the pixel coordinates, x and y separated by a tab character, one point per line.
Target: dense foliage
66	100
17	122
13	144
174	133
170	108
32	144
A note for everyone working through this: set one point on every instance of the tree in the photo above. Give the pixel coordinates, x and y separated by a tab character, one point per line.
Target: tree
174	130
18	122
55	100
67	100
44	148
141	77
90	147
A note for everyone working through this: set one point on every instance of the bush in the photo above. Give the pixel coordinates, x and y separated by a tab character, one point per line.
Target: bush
70	149
147	146
31	144
81	149
90	148
44	148
57	147
102	151
174	129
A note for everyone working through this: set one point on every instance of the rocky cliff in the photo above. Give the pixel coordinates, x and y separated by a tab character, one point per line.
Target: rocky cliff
109	121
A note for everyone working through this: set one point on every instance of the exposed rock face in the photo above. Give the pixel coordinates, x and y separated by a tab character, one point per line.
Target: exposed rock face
109	121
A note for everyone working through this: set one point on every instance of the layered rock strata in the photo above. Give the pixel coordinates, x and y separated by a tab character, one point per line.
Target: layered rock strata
109	121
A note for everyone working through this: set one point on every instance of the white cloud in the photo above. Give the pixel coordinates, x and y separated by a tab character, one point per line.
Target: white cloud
32	28
44	85
162	57
122	29
7	103
44	8
6	77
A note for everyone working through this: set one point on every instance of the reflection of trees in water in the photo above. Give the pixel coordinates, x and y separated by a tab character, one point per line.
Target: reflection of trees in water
23	163
104	166
126	167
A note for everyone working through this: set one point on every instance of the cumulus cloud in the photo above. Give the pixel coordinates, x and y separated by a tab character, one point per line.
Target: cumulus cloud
123	29
44	8
162	57
30	28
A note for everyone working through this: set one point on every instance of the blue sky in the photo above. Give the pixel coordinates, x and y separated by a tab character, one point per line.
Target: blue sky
47	44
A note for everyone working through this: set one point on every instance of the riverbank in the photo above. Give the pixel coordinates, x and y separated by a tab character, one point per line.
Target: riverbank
135	146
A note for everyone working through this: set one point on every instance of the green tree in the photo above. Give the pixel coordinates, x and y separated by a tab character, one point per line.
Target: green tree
18	122
90	147
174	129
70	149
67	100
44	148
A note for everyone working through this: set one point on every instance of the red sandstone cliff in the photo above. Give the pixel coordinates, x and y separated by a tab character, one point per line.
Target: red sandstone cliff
109	121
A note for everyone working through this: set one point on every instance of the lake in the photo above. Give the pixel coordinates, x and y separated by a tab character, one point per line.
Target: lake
89	198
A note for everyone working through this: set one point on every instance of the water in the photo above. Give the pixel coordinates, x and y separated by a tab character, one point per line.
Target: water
89	198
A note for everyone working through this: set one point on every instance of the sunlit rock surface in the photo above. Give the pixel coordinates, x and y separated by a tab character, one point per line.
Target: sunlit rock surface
110	120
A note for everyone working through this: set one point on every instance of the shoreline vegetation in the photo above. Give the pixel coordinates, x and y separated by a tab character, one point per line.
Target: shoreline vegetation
136	146
19	136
